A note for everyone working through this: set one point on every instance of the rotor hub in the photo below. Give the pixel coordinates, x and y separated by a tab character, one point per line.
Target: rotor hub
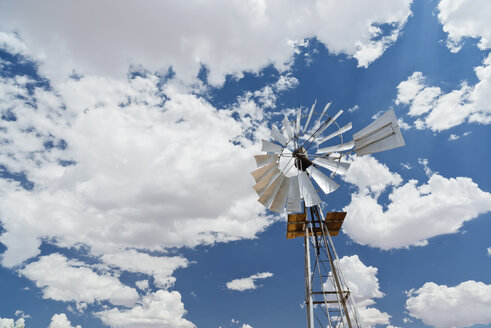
302	162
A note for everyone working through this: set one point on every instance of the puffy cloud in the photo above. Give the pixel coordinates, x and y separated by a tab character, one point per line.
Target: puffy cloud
403	125
161	268
424	101
55	274
247	283
286	82
142	284
407	90
415	212
9	323
140	155
465	19
451	109
228	37
433	109
61	321
369	175
441	111
415	93
159	309
370	317
11	43
361	279
118	166
363	284
245	325
464	305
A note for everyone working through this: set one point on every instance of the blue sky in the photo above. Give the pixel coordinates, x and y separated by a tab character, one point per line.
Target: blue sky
128	134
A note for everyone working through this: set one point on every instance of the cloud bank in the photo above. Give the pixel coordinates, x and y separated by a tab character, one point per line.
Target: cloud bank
227	37
124	164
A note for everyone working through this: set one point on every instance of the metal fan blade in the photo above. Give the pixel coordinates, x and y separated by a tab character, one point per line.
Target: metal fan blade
278	136
310	116
345	128
323	112
307	190
334	166
262	160
387	118
382	134
287	127
327	184
328	123
278	204
293	204
265	181
340	147
269	194
391	141
262	171
297	125
271	147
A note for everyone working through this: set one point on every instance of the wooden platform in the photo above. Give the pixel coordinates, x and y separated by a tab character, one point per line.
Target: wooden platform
296	224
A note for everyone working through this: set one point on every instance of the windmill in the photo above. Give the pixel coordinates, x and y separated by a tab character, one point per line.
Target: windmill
299	152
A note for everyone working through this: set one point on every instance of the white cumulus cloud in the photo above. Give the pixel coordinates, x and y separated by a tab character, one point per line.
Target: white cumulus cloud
463	19
369	175
142	284
363	284
56	276
440	111
464	305
120	166
228	37
415	212
247	283
150	174
61	321
161	268
10	323
159	309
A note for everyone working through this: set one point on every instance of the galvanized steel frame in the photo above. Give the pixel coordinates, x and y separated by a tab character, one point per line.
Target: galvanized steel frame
335	308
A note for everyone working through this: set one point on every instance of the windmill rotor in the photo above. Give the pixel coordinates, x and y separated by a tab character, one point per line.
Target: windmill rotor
283	176
299	153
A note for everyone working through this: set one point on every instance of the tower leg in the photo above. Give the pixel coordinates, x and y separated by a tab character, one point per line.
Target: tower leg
308	284
338	284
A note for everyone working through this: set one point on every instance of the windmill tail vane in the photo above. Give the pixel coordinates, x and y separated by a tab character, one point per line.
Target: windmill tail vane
297	155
